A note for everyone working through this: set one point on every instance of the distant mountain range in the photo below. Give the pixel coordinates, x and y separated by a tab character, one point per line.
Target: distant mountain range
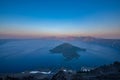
114	43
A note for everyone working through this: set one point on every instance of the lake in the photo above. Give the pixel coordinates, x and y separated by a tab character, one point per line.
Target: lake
32	54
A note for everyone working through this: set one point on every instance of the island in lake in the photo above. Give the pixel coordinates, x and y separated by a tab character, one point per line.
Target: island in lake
67	50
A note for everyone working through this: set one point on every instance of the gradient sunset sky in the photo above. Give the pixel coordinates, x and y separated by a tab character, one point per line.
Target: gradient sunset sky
42	18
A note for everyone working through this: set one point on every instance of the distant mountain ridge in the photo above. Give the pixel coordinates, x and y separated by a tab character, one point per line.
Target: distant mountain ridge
114	43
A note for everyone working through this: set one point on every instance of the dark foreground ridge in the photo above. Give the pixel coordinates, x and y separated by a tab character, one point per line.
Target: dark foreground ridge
105	72
67	50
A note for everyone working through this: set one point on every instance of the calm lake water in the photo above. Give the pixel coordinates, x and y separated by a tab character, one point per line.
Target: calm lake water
23	55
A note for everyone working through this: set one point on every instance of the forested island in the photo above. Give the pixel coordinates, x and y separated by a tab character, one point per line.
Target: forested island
67	50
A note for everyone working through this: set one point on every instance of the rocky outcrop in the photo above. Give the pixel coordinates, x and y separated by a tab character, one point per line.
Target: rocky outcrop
59	76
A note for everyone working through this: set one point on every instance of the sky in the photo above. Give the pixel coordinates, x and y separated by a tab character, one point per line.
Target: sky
59	18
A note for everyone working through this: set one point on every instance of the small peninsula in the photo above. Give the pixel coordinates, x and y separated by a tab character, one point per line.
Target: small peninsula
67	50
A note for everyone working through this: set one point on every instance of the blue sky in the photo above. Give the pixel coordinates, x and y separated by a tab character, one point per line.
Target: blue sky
38	18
